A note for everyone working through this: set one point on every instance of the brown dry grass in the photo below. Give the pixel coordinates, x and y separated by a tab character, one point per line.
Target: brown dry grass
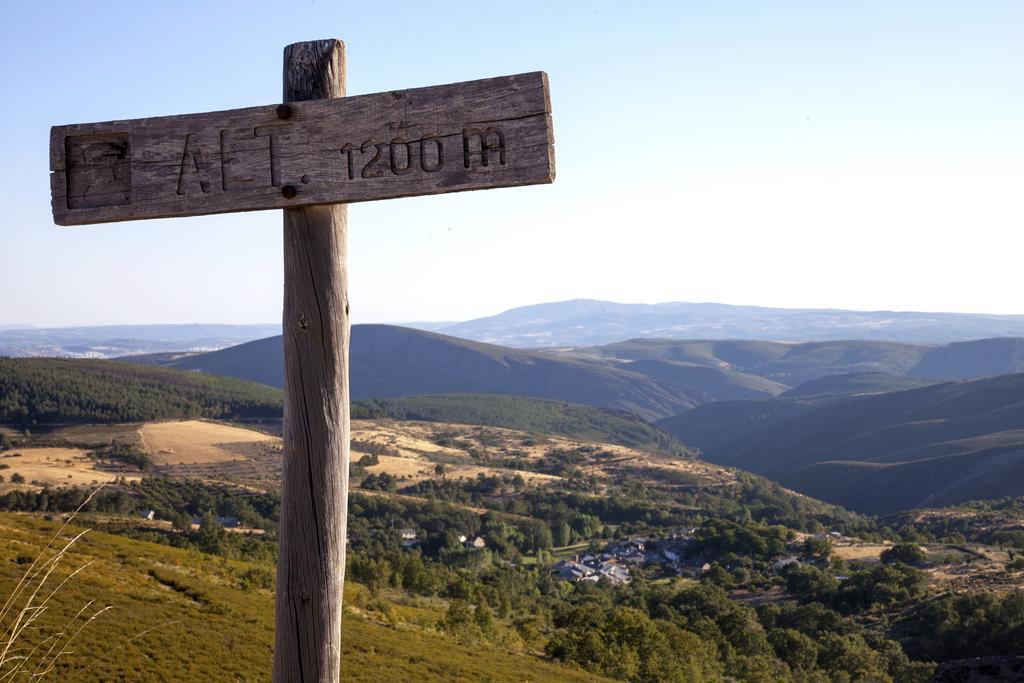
412	468
472	472
195	441
54	467
98	436
410	438
860	551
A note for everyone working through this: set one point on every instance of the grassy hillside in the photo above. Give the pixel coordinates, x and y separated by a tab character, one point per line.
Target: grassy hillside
36	391
184	615
389	361
785	364
855	383
709	383
449	613
935	445
966	360
723	426
527	414
793	364
653	378
257	361
441	611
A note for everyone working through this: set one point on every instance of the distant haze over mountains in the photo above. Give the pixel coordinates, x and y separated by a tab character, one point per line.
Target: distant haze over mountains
580	322
111	341
587	322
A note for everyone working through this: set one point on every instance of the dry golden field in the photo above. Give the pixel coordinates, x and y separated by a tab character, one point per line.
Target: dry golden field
53	467
197	441
414	449
409	451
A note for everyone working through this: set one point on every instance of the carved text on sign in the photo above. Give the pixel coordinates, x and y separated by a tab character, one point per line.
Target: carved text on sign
464	136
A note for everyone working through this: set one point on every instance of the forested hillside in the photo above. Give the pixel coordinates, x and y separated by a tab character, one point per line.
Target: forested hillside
38	391
930	446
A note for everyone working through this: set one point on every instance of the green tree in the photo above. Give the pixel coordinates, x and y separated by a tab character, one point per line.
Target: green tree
458	617
810	584
818	547
182	522
850	655
482	616
882	586
540	537
907	553
211	534
970	625
561	534
796	649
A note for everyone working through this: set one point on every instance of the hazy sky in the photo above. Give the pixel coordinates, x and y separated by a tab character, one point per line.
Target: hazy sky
852	155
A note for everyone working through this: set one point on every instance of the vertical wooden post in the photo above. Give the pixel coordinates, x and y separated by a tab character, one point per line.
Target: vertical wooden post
311	564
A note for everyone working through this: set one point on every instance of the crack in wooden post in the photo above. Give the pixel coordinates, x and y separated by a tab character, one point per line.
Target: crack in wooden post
311	563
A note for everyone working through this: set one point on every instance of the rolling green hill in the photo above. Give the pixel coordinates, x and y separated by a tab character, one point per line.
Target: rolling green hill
36	391
257	361
725	425
967	360
389	361
855	383
653	378
792	364
784	364
925	447
708	383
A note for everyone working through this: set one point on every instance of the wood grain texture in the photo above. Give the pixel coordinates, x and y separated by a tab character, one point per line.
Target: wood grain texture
314	503
474	135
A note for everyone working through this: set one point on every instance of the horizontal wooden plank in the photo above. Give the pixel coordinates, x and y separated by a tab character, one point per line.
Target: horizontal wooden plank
474	135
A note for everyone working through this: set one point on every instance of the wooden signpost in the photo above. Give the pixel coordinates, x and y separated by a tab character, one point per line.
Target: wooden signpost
310	155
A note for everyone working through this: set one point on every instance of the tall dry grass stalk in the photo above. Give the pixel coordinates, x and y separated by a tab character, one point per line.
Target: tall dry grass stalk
30	600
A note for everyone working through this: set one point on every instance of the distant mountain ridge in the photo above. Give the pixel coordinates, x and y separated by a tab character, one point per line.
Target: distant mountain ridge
112	341
580	322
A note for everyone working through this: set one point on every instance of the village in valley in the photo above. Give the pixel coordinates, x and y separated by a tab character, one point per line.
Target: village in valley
665	557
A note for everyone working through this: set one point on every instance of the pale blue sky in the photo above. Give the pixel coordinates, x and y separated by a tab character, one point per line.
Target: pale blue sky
854	155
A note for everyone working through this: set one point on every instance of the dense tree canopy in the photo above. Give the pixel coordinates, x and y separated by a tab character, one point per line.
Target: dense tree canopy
39	391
